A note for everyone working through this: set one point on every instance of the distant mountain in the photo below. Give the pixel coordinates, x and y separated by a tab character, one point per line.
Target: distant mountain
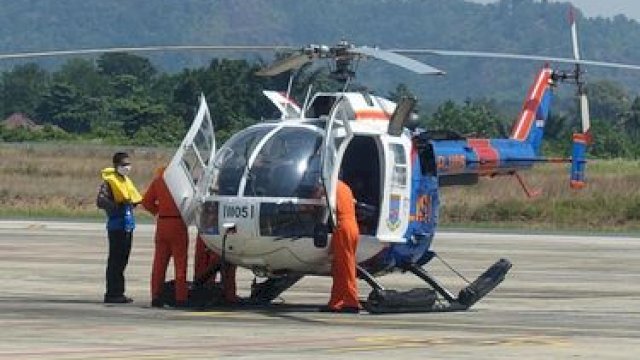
522	26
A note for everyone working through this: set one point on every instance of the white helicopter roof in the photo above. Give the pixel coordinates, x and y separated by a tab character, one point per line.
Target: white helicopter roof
363	106
369	113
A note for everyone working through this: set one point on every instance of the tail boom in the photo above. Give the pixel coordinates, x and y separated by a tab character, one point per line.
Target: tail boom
490	157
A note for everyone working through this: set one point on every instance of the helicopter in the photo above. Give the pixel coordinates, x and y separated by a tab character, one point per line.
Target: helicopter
265	200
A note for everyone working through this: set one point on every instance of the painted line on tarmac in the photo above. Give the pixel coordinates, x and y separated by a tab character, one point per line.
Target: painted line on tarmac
363	320
216	314
398	342
614	333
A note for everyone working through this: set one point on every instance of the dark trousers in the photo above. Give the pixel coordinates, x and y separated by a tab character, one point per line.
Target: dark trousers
119	249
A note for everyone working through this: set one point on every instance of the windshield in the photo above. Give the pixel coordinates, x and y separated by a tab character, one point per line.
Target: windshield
288	165
231	159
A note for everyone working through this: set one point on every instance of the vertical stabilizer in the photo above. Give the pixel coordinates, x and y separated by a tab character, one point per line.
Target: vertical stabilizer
535	111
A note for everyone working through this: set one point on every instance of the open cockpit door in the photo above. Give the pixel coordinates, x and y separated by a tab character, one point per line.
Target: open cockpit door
191	169
400	115
337	136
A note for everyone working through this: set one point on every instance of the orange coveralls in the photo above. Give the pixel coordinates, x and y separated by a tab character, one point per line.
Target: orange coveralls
204	259
344	291
171	239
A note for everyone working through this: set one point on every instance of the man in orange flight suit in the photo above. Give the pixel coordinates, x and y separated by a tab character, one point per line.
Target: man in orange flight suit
205	259
344	291
171	239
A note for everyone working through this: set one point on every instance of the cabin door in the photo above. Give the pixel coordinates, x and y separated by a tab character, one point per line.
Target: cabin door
191	169
337	136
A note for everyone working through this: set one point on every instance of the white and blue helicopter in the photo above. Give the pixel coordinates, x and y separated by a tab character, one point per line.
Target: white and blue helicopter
265	200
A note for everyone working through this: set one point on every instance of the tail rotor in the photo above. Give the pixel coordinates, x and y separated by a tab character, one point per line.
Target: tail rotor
581	139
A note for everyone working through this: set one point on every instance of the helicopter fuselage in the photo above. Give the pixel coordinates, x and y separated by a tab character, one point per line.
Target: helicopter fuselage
275	182
271	199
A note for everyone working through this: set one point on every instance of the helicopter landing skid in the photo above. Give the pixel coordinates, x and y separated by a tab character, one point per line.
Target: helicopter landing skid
381	301
266	291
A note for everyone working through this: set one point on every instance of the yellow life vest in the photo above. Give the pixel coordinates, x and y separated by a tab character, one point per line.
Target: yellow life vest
121	186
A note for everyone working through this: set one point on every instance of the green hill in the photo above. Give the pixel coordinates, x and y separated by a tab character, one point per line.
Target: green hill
523	26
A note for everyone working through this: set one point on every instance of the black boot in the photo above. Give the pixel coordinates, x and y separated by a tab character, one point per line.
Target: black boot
117	299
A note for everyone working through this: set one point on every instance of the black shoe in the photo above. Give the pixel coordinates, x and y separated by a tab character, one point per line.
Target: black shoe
117	299
348	310
157	303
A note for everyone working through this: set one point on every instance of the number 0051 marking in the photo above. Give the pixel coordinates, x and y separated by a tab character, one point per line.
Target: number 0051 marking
238	211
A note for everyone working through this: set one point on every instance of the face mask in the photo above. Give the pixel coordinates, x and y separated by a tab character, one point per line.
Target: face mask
123	170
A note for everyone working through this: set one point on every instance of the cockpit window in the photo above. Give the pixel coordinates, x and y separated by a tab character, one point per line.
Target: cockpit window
231	160
321	106
288	165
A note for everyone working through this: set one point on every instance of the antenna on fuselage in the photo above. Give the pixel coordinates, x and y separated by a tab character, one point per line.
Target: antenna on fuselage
306	101
290	85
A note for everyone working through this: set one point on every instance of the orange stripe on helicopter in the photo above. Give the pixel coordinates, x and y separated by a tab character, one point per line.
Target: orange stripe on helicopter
582	138
291	100
488	157
534	97
577	184
371	115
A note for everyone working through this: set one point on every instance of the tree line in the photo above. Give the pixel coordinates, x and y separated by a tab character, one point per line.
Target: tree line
518	26
122	98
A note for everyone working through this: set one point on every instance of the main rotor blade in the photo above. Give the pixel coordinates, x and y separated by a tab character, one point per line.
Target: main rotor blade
397	59
492	55
286	64
146	49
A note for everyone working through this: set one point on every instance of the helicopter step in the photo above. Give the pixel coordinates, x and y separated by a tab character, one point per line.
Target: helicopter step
382	301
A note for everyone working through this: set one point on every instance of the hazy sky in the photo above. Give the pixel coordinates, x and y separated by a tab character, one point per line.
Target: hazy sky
607	8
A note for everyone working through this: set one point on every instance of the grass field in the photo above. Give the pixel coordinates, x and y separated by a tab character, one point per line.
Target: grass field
611	201
47	180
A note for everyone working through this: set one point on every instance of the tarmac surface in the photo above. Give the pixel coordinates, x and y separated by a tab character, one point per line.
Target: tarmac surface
566	297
